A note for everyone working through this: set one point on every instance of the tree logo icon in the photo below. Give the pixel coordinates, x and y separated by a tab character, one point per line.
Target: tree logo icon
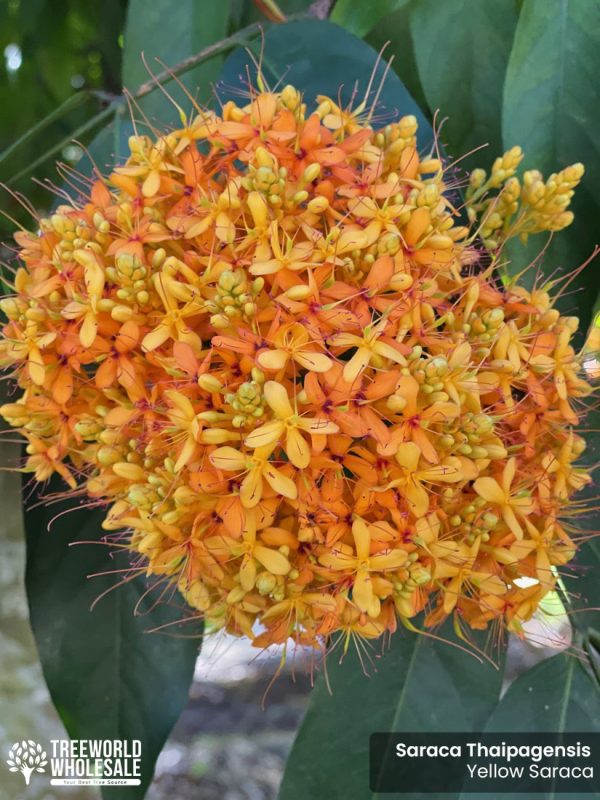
27	757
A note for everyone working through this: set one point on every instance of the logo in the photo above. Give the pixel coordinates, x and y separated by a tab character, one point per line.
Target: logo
80	762
27	757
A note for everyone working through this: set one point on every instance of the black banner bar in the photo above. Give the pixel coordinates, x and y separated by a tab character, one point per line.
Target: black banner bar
489	762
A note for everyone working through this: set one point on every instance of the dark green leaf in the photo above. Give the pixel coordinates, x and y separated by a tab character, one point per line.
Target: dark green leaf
557	695
319	57
172	32
592	650
360	18
549	110
462	50
581	577
109	675
582	583
393	33
418	685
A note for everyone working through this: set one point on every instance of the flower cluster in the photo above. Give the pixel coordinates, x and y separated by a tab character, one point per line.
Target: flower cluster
507	208
272	346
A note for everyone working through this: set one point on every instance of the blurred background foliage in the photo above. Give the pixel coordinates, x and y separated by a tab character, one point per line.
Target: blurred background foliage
53	52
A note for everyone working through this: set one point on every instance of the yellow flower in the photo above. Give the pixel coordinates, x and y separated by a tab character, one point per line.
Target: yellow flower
256	468
289	423
253	553
560	477
499	494
184	419
94	279
411	483
292	256
29	346
371	349
189	424
455	560
562	365
363	563
147	161
172	324
381	218
293	342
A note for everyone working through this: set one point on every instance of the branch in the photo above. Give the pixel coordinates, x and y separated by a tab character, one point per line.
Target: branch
241	37
69	104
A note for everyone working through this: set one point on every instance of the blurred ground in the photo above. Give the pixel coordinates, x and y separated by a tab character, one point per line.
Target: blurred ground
225	746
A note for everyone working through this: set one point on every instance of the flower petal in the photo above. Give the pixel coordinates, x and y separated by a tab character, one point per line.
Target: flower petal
266	267
336	559
35	365
362	538
267	434
389	351
490	490
408	455
185	410
297	449
248	574
228	459
272	359
392	560
418	498
315	362
508	515
88	331
509	474
156	337
187	451
345	340
106	374
417	225
277	398
279	482
359	361
362	590
273	560
251	488
317	426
